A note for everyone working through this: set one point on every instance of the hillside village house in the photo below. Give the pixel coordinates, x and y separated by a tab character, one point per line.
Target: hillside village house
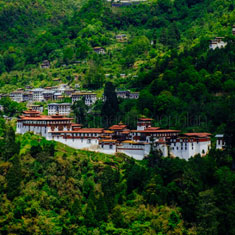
99	50
38	94
118	138
120	3
48	95
60	108
217	43
220	142
34	107
27	96
233	30
17	96
121	37
45	64
90	98
127	95
58	96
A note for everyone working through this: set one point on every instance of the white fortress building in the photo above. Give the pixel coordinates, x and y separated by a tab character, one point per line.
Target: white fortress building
33	121
118	138
190	144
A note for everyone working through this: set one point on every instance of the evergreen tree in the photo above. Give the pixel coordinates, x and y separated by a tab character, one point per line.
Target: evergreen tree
14	177
110	107
11	147
101	212
35	150
80	110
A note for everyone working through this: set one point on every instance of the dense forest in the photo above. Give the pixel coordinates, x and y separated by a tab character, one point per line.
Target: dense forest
49	188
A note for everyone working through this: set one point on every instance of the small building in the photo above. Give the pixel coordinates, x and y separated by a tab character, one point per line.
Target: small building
122	94
48	94
134	95
59	108
45	64
27	96
1	108
90	98
220	142
58	96
17	96
121	37
38	94
99	50
69	92
233	30
38	108
127	94
217	43
144	123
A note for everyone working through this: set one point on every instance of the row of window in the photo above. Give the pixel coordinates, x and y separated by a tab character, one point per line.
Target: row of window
83	134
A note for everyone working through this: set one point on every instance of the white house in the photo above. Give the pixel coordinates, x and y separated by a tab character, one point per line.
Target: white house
220	143
35	107
60	108
90	98
17	96
38	94
217	43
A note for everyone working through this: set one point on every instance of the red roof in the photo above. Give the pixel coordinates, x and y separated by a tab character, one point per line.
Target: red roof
44	117
152	128
145	119
156	131
108	140
118	127
31	112
201	134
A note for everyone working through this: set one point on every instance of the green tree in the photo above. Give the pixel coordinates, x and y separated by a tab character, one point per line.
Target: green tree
110	108
207	213
80	111
14	177
11	147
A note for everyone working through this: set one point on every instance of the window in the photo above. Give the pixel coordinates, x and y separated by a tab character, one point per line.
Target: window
88	141
110	146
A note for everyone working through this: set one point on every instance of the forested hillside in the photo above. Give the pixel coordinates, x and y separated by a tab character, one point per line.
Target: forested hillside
48	188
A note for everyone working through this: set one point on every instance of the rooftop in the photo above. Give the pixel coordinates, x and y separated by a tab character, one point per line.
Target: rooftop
201	134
